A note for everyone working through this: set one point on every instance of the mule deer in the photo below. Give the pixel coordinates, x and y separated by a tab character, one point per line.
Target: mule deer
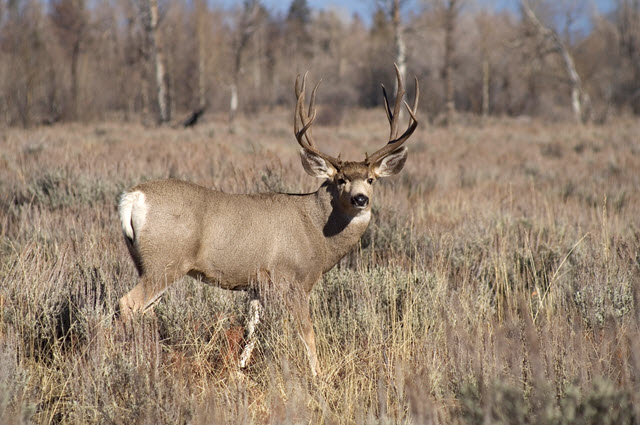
175	228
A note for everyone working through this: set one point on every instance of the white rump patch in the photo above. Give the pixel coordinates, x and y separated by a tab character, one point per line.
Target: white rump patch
133	212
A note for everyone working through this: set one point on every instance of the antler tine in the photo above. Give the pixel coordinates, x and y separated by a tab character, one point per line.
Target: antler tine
300	90
300	108
415	100
394	141
302	134
396	108
312	111
295	113
386	104
306	118
394	116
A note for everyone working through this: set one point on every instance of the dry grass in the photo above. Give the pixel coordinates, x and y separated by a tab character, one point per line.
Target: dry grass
498	282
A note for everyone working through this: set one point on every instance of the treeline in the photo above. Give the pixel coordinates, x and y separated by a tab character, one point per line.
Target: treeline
73	60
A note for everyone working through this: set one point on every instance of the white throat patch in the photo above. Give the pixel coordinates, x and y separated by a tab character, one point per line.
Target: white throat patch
362	218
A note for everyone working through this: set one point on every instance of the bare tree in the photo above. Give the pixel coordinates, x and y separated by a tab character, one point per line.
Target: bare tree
398	41
484	23
201	16
52	51
297	27
580	100
447	13
246	27
393	10
71	24
26	64
627	18
450	10
155	52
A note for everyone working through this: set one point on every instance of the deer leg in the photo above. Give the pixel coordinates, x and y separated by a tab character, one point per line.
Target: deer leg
307	335
143	296
255	310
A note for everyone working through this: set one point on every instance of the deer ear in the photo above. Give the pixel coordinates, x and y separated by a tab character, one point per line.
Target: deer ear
316	166
391	164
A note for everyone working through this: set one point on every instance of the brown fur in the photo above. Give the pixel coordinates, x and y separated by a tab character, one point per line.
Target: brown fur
235	240
176	228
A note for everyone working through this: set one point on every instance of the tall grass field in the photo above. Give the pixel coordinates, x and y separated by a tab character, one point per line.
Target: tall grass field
498	281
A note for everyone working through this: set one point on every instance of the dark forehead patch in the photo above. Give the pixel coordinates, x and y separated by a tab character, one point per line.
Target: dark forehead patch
355	170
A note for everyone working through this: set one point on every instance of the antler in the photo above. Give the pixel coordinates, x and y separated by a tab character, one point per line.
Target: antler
394	141
306	118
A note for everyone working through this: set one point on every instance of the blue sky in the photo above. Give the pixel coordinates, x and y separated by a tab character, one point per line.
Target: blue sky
365	8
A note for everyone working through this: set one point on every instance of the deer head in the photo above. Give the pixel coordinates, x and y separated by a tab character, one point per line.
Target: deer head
352	181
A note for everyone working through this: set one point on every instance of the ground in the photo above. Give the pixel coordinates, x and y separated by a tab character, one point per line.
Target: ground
498	281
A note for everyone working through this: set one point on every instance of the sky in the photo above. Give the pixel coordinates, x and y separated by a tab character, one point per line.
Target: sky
365	8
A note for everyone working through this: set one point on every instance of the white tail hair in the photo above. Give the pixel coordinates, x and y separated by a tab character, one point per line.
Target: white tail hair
129	219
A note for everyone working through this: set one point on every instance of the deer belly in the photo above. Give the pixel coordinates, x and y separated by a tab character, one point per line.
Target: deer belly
244	271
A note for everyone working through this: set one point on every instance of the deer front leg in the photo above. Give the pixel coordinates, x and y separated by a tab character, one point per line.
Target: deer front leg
306	333
255	310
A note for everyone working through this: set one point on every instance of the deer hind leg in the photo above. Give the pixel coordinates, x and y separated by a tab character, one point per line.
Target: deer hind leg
146	293
255	311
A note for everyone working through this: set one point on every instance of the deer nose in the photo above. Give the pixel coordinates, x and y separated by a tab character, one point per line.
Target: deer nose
360	200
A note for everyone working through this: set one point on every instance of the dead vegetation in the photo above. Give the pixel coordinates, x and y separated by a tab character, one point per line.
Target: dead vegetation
497	283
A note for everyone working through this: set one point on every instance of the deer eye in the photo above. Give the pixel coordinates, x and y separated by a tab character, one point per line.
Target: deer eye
341	181
370	180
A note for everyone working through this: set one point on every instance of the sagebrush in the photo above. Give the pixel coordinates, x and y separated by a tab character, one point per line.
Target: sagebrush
497	283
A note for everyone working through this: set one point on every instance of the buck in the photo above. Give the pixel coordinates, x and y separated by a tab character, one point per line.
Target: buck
174	228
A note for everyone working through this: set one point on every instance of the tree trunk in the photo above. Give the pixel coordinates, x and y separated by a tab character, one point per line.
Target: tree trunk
75	56
146	98
233	102
399	45
158	62
580	100
202	69
449	46
485	86
246	28
257	64
202	88
233	98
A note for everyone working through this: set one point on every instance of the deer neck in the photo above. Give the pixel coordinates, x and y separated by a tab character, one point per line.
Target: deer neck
341	229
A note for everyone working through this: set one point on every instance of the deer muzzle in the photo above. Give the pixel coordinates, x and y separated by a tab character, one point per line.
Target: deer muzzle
360	201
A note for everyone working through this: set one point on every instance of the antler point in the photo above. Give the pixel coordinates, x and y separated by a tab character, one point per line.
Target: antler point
394	141
303	135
